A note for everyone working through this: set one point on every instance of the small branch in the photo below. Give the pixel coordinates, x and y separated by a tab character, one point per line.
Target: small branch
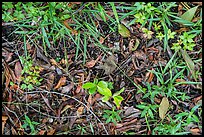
44	91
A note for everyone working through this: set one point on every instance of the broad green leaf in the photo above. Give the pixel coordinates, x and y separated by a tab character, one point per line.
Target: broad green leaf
123	30
189	62
141	106
103	84
104	91
105	98
118	100
92	90
188	15
118	92
163	108
88	85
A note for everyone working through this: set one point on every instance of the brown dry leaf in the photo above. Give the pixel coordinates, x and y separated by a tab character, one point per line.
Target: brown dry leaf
74	32
79	87
9	57
41	132
80	111
9	74
54	62
92	63
67	88
51	131
47	102
60	83
101	40
90	100
110	64
65	108
198	3
18	70
195	100
163	108
50	81
4	118
131	112
195	131
151	76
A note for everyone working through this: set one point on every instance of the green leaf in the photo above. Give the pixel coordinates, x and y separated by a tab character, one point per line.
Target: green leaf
92	90
24	125
104	91
150	113
123	30
141	106
118	92
30	87
27	119
118	100
35	123
88	85
103	84
188	15
110	85
23	86
108	120
163	108
105	98
189	62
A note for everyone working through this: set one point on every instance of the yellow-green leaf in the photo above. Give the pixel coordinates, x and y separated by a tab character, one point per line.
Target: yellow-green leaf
123	30
88	85
118	100
188	15
163	108
105	98
189	62
104	91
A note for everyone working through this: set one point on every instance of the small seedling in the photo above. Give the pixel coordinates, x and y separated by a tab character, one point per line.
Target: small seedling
112	115
30	124
31	74
187	41
104	88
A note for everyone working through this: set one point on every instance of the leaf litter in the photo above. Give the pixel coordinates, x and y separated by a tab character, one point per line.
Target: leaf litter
131	54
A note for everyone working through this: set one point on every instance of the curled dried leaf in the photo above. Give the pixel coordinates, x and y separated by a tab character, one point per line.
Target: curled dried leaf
61	82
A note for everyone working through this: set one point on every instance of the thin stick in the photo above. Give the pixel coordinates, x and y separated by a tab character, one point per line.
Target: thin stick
71	98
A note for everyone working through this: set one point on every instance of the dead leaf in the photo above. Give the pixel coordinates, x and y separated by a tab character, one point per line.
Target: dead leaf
60	83
195	100
50	81
18	70
41	132
47	103
198	3
151	76
195	131
80	111
4	118
163	108
65	108
67	88
74	32
189	63
51	131
131	112
123	30
101	40
92	63
110	64
9	74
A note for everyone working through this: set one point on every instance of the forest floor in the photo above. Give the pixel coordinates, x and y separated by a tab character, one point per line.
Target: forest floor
98	68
